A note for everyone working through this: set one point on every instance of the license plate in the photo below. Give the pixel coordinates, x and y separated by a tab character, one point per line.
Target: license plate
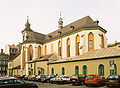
90	79
112	81
73	80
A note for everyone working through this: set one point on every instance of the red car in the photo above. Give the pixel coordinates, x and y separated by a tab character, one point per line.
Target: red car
94	79
17	76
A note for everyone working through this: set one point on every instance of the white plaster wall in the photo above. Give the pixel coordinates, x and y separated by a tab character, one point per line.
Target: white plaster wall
83	42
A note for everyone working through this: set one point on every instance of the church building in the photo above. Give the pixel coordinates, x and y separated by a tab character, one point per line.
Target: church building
77	48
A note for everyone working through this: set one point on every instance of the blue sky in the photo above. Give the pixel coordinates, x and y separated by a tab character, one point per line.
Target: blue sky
44	15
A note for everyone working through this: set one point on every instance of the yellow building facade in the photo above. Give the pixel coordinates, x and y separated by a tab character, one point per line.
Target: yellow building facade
14	65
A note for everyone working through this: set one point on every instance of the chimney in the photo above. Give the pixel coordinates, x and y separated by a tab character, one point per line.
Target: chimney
1	51
96	22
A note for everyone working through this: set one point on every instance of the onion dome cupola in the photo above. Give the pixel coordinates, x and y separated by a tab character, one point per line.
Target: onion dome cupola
27	30
60	22
27	25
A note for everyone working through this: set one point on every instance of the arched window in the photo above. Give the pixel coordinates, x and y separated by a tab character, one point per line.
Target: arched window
68	47
77	40
115	68
102	41
30	53
85	70
23	57
39	51
63	71
45	49
90	41
113	71
59	48
52	71
39	72
76	70
101	69
52	48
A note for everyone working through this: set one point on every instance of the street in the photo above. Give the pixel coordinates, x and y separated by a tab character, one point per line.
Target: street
46	85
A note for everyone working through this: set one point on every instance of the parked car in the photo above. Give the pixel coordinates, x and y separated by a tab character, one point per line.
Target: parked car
47	79
39	77
12	82
22	77
113	80
17	76
62	79
33	77
53	80
78	79
94	79
26	77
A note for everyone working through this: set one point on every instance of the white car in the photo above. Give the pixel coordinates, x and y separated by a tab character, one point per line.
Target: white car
53	80
61	79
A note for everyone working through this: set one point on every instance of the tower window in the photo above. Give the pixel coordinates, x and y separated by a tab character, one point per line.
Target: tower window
23	38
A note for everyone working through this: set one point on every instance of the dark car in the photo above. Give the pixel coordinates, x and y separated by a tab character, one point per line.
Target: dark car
47	79
12	82
78	79
113	80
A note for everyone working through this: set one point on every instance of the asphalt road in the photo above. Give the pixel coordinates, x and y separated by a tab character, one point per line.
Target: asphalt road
49	85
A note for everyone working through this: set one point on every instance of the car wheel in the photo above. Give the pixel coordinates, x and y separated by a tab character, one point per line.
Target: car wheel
48	81
107	85
87	85
73	84
99	84
82	83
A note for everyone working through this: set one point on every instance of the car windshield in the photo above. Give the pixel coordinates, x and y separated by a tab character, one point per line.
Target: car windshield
74	76
91	76
18	81
11	81
113	77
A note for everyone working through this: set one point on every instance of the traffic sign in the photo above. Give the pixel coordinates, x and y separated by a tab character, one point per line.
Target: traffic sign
111	62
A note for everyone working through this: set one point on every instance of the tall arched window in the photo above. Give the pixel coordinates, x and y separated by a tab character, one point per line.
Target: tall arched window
30	53
77	41
115	68
90	41
59	48
45	49
52	71
39	51
102	41
23	57
85	70
63	71
68	47
76	70
113	71
101	69
52	48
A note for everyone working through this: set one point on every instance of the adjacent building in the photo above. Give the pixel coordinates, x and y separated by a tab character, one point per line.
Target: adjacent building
3	62
11	50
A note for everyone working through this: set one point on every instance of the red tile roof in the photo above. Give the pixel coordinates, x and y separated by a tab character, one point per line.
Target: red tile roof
11	46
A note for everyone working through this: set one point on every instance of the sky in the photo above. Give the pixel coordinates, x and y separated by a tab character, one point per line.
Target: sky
44	15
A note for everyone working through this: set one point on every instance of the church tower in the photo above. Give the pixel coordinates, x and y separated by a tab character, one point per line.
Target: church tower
60	22
27	30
